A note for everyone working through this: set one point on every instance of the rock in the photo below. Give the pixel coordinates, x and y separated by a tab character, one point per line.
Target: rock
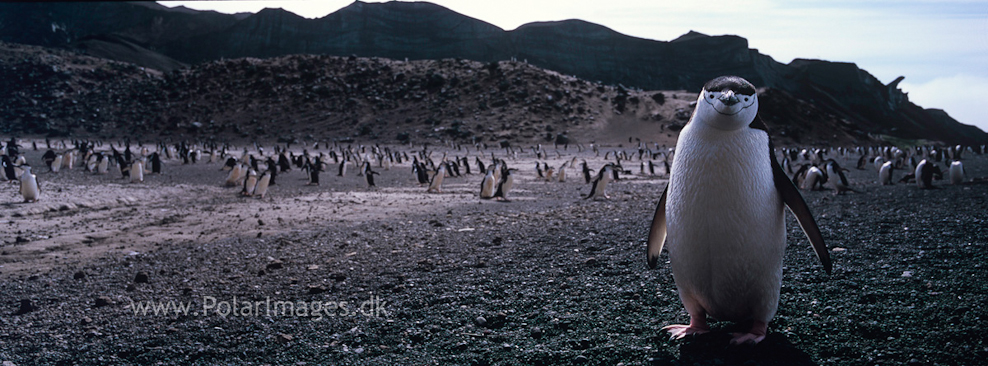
275	264
86	320
141	277
26	307
283	338
536	333
316	289
103	301
338	277
131	287
79	275
480	321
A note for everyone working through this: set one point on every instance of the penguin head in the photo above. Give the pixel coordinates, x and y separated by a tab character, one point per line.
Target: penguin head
727	103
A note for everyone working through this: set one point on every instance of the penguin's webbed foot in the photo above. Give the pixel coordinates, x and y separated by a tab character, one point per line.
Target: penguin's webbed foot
755	335
679	331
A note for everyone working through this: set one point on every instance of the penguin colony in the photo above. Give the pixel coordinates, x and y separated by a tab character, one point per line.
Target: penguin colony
255	170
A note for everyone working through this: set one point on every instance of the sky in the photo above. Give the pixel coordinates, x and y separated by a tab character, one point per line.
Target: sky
940	47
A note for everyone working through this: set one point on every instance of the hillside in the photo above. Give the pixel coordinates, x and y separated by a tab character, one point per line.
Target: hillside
305	98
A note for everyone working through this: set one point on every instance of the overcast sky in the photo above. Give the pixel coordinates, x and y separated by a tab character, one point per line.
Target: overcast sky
941	47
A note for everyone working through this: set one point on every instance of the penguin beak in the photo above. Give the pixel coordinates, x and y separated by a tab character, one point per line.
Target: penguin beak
729	99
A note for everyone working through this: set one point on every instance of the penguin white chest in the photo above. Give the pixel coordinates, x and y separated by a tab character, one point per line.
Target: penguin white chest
726	223
29	187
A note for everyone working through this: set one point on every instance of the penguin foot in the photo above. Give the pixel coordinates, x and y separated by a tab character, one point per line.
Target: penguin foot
679	331
755	335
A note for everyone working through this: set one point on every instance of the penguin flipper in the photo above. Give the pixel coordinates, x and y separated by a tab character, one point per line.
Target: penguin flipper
657	233
794	200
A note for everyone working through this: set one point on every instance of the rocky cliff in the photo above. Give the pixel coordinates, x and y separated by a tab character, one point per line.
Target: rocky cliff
152	36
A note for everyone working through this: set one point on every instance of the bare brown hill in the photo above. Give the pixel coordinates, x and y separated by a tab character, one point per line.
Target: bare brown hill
305	98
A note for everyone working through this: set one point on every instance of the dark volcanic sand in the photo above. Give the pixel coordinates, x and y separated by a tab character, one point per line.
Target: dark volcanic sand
546	279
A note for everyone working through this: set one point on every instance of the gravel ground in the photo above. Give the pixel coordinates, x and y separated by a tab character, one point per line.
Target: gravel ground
399	276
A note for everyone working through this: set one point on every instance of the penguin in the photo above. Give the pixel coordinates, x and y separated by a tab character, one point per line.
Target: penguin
250	183
786	165
600	182
862	161
103	166
69	160
561	176
504	185
878	162
836	178
721	217
272	168
137	171
283	163
234	176
924	174
91	163
480	164
49	158
30	187
437	179
313	168
487	185
155	163
885	174
369	174
586	172
814	180
421	175
956	172
261	189
229	164
56	164
8	168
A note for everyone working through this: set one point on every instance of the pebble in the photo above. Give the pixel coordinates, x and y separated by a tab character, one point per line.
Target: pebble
26	307
79	275
276	264
141	277
103	301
